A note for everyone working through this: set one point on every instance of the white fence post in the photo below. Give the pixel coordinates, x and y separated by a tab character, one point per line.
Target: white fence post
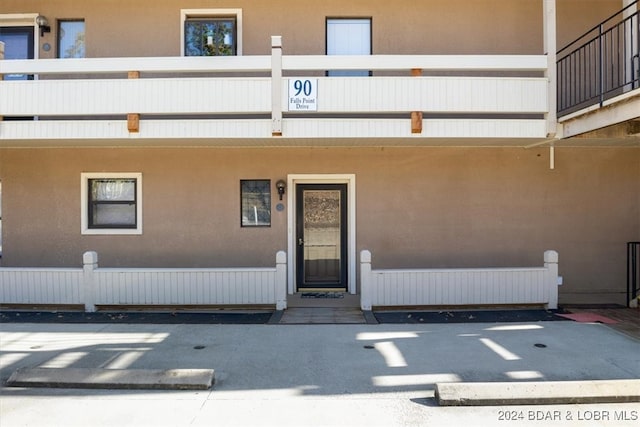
281	280
90	263
365	280
551	264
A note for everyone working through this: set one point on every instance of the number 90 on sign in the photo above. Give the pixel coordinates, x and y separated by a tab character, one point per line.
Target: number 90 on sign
303	94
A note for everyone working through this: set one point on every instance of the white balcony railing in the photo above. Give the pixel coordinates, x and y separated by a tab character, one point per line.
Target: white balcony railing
248	97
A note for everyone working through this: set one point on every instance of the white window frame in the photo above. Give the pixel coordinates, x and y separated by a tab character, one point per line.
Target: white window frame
84	203
212	13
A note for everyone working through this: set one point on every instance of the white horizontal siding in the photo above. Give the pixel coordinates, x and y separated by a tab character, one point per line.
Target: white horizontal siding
484	128
251	129
253	95
431	94
432	128
143	96
184	286
149	129
459	287
41	286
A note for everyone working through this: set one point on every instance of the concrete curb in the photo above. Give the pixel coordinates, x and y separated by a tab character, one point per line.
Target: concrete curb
158	379
537	393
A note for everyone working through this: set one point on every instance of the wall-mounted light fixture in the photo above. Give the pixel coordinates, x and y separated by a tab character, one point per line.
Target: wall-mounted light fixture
43	23
281	185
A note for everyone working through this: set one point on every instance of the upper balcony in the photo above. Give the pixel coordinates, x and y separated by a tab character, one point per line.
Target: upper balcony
276	100
599	82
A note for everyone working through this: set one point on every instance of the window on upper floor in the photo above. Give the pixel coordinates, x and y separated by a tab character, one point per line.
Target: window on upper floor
211	32
348	36
111	203
71	42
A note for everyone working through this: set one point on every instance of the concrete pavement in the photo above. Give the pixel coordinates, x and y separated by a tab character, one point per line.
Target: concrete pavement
315	374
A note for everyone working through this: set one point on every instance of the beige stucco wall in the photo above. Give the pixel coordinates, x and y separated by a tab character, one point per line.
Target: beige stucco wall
140	28
416	207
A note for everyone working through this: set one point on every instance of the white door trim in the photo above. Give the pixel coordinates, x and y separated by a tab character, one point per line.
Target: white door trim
292	181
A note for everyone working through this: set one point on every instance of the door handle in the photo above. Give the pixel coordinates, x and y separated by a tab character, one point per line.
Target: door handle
300	242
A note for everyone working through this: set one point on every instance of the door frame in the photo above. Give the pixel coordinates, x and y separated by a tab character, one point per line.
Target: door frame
292	181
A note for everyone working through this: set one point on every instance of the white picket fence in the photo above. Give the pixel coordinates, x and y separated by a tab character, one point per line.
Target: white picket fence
92	286
62	286
459	287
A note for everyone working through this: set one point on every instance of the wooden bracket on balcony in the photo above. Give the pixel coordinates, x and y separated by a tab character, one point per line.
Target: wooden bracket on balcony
133	74
416	122
133	123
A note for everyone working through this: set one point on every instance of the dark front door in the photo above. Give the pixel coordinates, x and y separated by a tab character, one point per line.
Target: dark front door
18	44
321	236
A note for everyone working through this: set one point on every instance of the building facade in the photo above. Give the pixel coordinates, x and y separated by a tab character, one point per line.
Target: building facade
210	134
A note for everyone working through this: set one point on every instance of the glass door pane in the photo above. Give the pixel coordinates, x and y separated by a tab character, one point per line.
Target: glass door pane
322	236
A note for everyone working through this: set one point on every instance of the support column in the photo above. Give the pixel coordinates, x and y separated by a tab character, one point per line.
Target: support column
90	263
549	20
276	85
551	264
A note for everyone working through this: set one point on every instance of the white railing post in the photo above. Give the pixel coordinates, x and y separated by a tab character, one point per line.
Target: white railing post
276	85
90	263
1	58
551	264
365	280
550	48
281	280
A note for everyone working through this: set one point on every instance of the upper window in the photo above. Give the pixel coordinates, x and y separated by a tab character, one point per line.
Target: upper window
349	36
71	39
211	32
111	203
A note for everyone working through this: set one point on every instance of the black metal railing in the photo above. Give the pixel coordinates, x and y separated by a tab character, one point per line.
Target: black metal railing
602	63
633	271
